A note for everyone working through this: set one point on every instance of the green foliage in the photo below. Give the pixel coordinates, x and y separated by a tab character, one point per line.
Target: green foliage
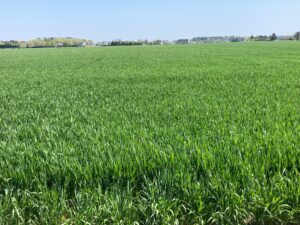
198	134
47	43
9	44
273	37
58	42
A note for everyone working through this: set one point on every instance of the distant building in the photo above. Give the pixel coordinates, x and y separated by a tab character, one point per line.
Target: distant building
182	41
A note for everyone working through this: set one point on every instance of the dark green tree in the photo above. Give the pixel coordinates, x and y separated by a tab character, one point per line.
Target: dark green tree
297	36
273	37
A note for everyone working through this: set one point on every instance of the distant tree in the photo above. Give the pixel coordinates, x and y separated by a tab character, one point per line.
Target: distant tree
262	38
141	42
273	37
156	42
10	44
297	36
116	42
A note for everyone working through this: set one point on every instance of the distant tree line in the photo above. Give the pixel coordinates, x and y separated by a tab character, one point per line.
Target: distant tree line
274	37
125	43
217	39
131	43
9	44
47	43
199	40
53	42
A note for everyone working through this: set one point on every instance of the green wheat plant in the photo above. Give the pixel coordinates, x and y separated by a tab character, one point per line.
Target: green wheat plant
197	134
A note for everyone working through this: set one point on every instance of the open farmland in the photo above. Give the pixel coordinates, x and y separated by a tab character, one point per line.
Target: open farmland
198	134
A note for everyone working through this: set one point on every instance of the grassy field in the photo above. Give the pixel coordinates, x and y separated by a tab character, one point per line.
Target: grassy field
198	134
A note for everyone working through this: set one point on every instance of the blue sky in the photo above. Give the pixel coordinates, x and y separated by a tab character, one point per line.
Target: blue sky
144	19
